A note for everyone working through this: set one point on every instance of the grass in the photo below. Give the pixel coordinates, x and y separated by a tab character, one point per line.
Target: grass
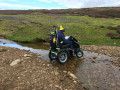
37	26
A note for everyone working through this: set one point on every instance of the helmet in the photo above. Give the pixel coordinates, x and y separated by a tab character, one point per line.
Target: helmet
53	32
61	28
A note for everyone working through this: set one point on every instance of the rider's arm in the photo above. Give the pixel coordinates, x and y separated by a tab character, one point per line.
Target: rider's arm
63	38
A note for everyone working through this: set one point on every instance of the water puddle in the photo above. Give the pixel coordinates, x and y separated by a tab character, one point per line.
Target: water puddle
94	71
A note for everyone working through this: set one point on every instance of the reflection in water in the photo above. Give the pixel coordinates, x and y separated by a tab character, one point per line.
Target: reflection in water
38	45
94	71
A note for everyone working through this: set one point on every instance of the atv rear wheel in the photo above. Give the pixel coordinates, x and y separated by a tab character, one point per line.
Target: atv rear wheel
52	56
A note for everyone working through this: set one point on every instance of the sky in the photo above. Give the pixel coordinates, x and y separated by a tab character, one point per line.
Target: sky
55	4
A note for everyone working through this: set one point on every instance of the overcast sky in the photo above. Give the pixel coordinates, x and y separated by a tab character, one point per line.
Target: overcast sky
56	4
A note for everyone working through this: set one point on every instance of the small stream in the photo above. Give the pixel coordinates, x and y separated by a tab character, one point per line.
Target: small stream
42	50
94	71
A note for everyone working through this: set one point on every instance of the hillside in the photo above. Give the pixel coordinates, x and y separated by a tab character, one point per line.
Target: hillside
105	12
98	26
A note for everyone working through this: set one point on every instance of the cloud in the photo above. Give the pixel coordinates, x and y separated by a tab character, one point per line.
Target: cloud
100	3
84	3
54	4
70	3
18	6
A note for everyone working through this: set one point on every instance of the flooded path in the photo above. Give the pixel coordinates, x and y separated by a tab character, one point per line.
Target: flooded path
94	71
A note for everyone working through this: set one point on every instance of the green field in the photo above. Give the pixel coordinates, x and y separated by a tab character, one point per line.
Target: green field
37	26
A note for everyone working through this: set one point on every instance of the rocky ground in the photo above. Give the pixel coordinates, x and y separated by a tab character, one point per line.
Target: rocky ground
107	50
21	69
113	51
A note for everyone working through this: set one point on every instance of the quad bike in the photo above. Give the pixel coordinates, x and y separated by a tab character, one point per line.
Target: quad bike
61	52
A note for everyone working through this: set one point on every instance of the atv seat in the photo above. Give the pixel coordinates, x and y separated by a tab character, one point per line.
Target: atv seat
65	46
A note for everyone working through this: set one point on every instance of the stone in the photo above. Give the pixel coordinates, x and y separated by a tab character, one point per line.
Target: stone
15	62
28	58
48	65
57	86
26	55
93	61
75	82
56	73
65	71
72	75
94	57
4	43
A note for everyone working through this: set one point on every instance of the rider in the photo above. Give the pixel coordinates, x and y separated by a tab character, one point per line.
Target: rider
53	40
62	37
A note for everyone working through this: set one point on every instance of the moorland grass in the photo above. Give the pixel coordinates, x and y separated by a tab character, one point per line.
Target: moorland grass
38	26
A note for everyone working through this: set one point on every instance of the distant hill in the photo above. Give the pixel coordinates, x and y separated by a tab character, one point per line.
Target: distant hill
100	12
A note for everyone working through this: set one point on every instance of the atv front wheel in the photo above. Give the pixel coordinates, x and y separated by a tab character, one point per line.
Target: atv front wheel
62	57
79	53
